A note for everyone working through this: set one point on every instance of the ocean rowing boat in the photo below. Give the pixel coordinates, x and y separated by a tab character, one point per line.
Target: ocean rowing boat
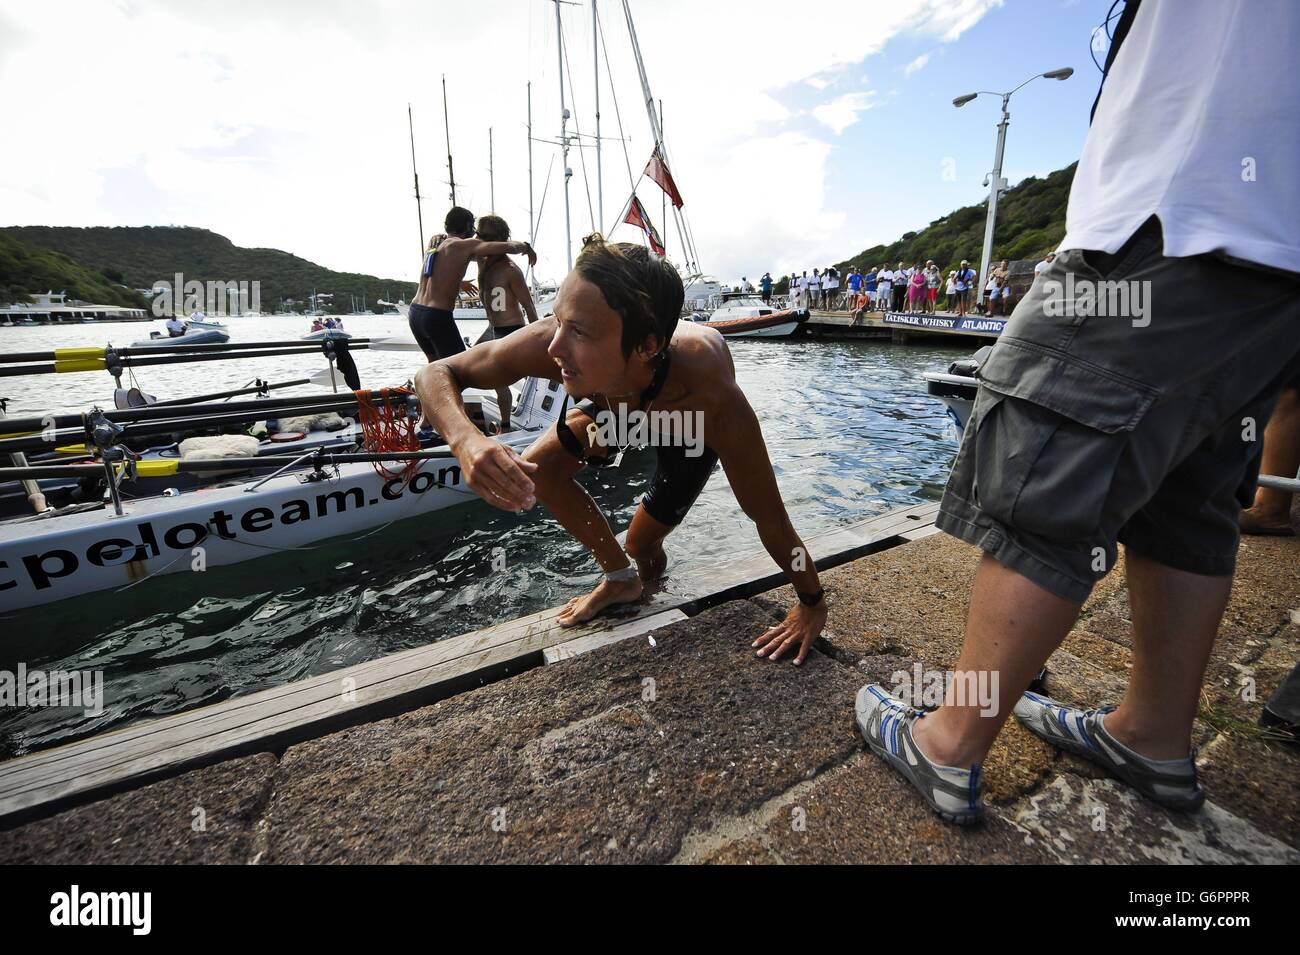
91	548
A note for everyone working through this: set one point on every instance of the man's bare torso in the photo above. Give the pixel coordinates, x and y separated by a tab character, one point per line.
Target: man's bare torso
499	299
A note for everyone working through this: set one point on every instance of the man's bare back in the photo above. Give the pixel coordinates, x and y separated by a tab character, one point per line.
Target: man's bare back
505	294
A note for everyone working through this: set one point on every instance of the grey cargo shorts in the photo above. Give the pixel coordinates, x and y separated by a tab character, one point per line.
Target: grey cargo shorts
1143	427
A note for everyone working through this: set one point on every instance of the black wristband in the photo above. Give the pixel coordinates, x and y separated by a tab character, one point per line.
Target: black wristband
811	600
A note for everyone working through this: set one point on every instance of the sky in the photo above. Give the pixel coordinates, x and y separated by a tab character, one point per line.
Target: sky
798	135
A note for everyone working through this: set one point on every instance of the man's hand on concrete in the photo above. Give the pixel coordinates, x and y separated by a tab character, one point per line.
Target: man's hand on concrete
800	628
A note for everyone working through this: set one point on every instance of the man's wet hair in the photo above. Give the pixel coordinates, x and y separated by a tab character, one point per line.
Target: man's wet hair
458	221
643	288
493	229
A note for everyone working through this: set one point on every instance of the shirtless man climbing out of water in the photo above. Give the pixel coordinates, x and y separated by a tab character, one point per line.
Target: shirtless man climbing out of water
505	296
615	340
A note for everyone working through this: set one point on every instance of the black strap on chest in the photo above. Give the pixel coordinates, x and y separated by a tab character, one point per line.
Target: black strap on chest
575	446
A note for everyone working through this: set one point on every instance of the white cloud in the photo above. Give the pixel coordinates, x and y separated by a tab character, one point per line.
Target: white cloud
294	134
842	112
917	64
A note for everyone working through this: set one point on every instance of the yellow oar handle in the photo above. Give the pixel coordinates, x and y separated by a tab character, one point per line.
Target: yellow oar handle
78	359
74	354
164	468
78	364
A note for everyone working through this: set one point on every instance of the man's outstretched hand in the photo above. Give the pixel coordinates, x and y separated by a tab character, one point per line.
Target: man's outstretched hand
797	632
497	474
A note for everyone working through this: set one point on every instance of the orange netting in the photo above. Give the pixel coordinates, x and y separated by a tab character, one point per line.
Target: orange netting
387	426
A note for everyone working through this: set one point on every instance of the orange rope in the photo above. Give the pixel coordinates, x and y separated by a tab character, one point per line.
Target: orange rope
386	426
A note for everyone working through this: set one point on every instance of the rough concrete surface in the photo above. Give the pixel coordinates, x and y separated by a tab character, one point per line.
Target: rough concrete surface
693	750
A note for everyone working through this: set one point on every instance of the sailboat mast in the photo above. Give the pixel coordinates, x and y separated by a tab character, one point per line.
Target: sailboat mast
663	196
657	129
419	213
532	221
446	125
595	63
492	183
564	140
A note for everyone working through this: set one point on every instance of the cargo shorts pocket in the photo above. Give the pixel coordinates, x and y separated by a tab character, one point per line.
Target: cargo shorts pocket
1054	428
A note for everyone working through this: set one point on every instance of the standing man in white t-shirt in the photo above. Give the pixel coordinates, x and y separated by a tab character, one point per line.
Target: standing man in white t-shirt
1131	416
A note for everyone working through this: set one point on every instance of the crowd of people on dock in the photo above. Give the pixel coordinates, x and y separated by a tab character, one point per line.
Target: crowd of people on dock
917	288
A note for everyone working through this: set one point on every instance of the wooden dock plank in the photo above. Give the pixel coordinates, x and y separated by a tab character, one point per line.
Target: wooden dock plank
270	719
573	648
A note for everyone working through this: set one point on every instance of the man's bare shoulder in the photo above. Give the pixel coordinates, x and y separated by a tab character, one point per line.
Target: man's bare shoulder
702	353
529	345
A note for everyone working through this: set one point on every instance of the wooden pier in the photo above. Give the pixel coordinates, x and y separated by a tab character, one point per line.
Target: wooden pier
902	327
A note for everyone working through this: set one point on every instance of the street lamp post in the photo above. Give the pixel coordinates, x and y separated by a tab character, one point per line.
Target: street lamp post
997	185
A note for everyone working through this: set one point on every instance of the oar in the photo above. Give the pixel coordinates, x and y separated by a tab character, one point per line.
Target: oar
218	395
147	428
76	354
172	466
260	408
35	497
141	357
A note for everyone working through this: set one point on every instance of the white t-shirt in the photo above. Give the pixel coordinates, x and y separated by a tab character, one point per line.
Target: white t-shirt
815	281
1198	124
1040	266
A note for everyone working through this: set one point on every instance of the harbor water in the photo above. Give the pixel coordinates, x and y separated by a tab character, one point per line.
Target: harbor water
849	429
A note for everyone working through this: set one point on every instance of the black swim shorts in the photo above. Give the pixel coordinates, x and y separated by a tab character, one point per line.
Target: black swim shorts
435	332
678	478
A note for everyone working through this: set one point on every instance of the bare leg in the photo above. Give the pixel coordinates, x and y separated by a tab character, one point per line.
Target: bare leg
577	512
1272	509
1176	617
645	544
505	400
1012	627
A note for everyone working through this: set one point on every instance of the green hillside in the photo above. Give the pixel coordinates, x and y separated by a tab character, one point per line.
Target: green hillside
1031	223
27	269
148	254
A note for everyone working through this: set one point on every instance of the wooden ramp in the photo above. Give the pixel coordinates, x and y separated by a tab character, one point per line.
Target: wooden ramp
270	720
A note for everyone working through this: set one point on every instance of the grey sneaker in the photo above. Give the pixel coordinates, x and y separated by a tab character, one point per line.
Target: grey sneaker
886	723
1171	782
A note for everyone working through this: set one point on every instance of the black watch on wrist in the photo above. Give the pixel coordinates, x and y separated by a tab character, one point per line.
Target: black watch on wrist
811	600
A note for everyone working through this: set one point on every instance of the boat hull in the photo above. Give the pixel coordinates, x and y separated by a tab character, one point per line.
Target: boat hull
771	325
206	336
957	392
44	561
